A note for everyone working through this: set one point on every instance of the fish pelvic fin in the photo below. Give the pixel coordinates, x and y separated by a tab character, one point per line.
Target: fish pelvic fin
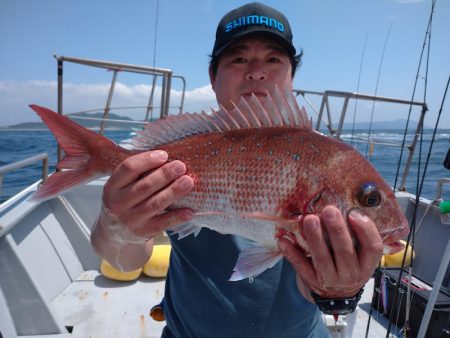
185	229
255	260
79	164
278	110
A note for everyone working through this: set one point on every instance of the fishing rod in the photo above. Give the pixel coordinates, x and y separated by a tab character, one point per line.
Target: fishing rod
376	86
432	299
357	86
366	153
411	238
428	31
150	106
419	185
370	128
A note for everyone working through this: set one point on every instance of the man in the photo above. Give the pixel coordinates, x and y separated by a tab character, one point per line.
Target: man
253	53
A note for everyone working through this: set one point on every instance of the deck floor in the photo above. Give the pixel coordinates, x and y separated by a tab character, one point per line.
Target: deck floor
94	306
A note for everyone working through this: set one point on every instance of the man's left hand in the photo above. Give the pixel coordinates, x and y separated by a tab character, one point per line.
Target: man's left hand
337	269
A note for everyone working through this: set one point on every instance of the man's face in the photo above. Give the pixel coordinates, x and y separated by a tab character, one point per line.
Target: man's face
251	65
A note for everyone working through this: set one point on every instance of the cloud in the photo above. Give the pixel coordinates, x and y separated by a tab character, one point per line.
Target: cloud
130	100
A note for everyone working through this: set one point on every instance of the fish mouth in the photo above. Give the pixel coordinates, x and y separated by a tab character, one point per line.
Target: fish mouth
391	239
395	234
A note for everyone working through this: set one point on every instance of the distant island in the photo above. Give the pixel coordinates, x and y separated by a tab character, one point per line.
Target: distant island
115	122
87	120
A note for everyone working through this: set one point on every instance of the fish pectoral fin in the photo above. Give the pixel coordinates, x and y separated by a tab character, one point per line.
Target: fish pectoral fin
254	260
185	229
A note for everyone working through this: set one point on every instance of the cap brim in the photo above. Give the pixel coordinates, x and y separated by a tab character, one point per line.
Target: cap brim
278	39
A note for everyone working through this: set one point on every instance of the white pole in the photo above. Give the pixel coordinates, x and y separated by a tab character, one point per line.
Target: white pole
434	293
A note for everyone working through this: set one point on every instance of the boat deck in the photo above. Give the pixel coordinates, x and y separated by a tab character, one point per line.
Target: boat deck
95	306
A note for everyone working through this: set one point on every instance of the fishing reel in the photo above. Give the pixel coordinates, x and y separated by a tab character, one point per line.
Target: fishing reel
444	206
447	160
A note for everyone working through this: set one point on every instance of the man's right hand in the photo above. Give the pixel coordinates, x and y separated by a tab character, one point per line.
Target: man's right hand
134	202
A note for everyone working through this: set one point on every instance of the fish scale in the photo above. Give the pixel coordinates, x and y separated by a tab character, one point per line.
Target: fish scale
254	176
250	175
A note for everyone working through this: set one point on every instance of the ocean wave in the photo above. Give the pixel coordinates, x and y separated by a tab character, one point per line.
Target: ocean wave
393	137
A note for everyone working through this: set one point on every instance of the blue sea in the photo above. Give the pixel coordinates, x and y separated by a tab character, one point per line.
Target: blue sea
16	145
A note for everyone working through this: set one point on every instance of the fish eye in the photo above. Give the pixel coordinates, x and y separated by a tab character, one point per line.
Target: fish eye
369	195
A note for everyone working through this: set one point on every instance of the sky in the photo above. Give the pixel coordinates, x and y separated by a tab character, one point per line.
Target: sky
372	47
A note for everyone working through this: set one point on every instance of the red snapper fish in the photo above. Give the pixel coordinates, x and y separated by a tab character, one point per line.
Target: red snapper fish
257	171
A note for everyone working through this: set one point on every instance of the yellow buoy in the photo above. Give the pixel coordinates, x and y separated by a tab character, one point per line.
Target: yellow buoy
158	264
382	262
109	271
395	260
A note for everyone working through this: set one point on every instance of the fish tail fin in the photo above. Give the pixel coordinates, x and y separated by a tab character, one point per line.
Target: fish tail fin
255	260
80	146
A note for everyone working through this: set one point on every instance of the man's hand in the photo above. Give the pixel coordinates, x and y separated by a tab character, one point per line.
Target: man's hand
339	272
142	187
134	201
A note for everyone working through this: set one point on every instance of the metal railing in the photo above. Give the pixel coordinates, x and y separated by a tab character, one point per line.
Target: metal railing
115	68
23	163
347	96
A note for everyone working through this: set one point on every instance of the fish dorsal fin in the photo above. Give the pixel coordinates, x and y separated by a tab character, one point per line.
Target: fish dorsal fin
279	110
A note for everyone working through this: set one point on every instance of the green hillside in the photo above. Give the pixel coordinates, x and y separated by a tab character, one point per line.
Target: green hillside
88	123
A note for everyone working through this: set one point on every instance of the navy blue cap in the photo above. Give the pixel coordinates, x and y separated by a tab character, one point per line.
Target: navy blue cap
253	19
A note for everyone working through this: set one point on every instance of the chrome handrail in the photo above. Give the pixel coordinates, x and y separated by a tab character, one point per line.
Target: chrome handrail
166	74
116	67
325	108
346	96
23	163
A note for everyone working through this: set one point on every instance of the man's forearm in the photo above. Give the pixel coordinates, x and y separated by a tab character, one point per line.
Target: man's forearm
117	245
